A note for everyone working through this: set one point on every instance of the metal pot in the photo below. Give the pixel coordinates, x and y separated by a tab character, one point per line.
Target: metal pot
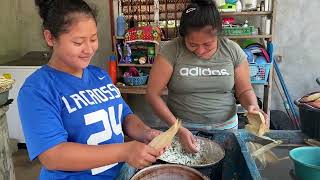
168	172
214	154
309	118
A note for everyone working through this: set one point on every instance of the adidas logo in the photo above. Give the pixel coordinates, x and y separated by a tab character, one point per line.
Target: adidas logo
198	71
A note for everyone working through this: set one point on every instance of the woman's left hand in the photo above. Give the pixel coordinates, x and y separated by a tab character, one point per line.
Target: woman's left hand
150	134
253	108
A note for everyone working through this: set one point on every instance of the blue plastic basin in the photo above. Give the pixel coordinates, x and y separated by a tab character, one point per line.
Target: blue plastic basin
306	162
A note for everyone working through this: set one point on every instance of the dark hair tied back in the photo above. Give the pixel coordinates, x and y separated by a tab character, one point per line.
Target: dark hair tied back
199	14
44	6
202	2
58	15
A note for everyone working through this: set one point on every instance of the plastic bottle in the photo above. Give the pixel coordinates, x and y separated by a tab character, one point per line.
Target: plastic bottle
133	22
121	25
238	6
113	68
262	6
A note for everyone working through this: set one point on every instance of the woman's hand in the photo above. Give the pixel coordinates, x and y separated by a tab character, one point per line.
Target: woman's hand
187	140
252	109
140	155
150	134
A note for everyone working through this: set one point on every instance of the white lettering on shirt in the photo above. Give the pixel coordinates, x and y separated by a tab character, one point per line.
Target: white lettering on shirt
198	71
90	97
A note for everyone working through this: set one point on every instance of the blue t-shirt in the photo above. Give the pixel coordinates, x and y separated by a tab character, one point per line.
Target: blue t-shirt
57	107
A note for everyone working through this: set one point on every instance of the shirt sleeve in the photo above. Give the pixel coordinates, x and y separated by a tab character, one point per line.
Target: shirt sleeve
41	122
238	54
126	111
169	50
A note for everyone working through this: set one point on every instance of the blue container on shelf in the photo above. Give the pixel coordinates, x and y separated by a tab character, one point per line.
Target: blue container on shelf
259	72
135	81
121	25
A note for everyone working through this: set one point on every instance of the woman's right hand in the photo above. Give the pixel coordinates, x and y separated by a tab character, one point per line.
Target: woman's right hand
187	140
140	155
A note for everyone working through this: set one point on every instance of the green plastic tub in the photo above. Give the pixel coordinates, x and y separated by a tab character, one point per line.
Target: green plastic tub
306	162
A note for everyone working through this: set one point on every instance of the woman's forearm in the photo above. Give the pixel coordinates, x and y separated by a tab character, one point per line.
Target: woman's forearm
160	108
248	98
70	156
135	128
160	75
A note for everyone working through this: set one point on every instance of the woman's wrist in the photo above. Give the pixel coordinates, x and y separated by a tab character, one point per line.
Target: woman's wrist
253	107
181	130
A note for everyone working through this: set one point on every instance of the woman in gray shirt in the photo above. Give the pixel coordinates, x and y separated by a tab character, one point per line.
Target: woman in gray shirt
203	73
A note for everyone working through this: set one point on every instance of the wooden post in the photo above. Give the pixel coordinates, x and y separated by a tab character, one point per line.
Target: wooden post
6	164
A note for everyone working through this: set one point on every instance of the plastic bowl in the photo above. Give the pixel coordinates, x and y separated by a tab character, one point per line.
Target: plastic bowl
306	162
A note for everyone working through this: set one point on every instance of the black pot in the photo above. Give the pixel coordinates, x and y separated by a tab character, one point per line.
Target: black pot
310	119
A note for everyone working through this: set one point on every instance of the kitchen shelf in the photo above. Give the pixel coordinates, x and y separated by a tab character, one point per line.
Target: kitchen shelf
248	13
135	65
150	13
151	3
136	89
119	38
250	37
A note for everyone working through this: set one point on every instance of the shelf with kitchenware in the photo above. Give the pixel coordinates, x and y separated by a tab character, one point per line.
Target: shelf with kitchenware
136	52
134	65
243	13
247	13
259	36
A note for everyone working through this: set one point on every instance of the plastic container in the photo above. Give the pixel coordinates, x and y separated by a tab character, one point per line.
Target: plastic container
306	162
238	6
237	31
259	73
121	25
113	69
135	81
309	119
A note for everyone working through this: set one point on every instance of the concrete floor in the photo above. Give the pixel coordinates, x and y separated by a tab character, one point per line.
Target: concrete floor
23	167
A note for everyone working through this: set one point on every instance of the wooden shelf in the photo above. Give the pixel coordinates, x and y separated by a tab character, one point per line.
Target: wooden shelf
135	65
248	13
151	12
119	37
136	89
223	14
249	37
151	3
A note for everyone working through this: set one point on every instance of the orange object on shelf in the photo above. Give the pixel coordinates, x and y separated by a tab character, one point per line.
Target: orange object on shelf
113	69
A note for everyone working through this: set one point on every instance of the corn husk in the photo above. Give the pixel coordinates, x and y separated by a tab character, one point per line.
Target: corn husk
165	139
310	98
257	124
312	142
263	153
5	84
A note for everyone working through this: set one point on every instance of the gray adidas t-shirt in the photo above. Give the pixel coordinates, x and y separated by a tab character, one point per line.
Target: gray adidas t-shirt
202	91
